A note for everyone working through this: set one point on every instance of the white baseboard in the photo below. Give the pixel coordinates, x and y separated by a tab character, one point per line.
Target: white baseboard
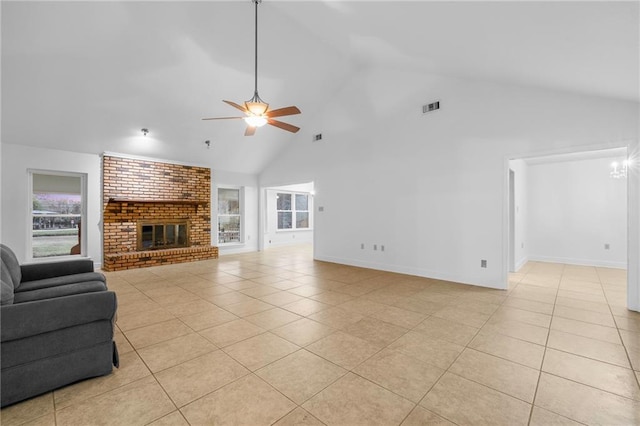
409	270
223	251
580	262
521	263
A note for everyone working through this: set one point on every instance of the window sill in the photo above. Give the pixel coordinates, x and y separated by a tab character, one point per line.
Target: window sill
294	230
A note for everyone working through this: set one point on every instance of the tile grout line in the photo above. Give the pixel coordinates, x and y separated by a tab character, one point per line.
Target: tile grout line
544	353
626	350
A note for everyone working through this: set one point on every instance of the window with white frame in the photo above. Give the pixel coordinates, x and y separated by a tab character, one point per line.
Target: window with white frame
293	210
57	213
229	215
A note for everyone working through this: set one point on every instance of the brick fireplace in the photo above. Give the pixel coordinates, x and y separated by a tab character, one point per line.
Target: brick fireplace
154	213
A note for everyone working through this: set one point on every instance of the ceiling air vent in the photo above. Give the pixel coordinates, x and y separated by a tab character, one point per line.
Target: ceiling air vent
431	107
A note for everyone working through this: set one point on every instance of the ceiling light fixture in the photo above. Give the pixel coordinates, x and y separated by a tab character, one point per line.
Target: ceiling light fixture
256	106
144	131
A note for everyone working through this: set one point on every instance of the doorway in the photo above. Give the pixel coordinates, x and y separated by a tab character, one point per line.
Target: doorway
585	218
287	215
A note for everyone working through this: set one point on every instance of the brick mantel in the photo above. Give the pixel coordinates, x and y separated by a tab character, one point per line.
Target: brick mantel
142	190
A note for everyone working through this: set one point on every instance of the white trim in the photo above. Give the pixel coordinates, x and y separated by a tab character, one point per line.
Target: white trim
633	227
409	270
580	262
521	263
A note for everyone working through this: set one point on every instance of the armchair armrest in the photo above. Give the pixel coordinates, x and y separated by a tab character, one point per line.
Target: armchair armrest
40	271
31	318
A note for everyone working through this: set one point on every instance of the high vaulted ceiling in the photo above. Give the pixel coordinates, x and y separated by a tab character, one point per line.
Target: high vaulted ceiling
87	76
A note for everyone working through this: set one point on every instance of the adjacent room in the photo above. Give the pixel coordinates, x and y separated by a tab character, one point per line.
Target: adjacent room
320	212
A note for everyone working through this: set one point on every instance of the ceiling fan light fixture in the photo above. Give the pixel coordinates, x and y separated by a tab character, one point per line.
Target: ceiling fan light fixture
256	108
255	120
256	111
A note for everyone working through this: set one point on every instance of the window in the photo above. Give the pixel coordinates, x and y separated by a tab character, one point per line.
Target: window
293	211
229	215
57	214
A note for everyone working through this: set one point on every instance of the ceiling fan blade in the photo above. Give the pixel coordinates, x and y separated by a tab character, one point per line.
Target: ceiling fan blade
250	131
223	118
283	126
290	110
235	105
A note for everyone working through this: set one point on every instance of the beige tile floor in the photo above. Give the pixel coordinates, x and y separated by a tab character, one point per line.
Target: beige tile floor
275	337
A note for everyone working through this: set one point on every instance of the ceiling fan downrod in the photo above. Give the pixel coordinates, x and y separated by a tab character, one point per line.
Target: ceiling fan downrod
256	97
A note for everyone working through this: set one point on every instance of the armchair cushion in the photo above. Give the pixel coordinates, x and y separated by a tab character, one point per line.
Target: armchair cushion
44	270
59	291
56	281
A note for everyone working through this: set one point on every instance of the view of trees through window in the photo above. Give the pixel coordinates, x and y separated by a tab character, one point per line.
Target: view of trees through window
56	215
293	211
229	215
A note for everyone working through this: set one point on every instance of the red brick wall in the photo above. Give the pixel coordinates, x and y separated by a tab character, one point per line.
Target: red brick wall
132	179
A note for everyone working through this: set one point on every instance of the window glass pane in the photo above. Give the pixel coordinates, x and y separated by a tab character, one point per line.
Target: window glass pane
228	201
284	202
56	215
302	202
284	220
229	229
182	235
147	236
158	235
302	219
171	234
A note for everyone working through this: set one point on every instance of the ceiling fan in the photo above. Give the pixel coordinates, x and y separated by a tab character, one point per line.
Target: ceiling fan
257	112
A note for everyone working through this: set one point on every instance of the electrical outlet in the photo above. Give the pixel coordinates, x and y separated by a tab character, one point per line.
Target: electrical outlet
521	245
381	248
483	263
321	209
362	246
607	246
375	247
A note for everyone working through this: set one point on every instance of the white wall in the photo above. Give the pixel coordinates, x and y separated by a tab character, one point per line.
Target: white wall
276	238
432	188
575	208
249	182
16	201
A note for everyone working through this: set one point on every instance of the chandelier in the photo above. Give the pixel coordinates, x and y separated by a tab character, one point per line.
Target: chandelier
619	171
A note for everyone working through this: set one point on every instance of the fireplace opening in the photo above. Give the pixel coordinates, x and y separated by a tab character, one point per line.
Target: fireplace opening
161	235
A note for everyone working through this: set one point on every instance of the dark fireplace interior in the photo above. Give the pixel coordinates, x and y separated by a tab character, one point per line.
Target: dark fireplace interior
161	235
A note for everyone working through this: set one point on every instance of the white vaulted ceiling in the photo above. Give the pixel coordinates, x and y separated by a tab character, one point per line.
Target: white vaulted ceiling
87	76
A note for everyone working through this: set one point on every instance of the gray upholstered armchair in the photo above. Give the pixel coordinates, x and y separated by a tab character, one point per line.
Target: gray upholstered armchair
56	326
